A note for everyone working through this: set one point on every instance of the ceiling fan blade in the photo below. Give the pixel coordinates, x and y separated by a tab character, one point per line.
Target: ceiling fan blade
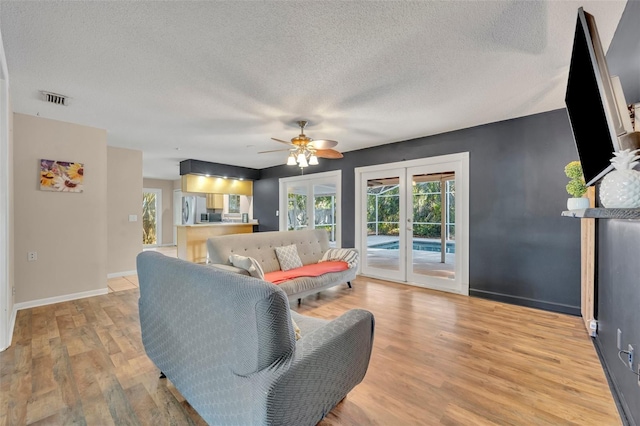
331	154
323	143
281	141
274	150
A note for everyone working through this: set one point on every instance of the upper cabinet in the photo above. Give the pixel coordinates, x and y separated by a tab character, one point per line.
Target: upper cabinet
216	185
215	201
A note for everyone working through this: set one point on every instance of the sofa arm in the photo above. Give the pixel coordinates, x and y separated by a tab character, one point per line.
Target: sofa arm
328	363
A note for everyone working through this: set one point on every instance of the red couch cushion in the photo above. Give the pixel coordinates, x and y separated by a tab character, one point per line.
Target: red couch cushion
313	270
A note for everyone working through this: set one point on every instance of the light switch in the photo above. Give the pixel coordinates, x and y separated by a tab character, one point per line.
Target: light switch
133	218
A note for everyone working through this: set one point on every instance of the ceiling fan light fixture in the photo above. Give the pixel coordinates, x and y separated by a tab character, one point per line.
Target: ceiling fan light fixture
305	151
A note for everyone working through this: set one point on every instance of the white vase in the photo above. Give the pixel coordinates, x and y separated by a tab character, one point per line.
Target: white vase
577	203
621	189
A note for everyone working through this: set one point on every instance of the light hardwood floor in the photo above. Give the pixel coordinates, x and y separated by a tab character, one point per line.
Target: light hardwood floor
438	359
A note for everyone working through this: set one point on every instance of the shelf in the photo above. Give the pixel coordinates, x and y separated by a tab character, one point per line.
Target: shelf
602	213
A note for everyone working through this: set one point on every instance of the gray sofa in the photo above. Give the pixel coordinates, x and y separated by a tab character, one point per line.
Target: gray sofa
311	244
227	343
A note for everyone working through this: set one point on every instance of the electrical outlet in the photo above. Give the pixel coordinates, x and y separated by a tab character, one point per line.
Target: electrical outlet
13	291
630	357
619	340
32	256
639	374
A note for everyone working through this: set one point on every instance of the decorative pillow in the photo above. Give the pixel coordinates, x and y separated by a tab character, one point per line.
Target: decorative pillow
296	329
249	264
288	257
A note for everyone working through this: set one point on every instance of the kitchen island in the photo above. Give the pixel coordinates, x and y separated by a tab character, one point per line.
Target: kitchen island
192	239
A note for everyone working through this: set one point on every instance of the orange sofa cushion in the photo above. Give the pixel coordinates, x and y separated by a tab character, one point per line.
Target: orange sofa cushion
313	270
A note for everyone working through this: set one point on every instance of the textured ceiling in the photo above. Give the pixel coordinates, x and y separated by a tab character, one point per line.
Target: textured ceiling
218	79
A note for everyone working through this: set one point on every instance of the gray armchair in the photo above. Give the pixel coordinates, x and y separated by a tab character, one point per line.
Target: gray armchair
227	344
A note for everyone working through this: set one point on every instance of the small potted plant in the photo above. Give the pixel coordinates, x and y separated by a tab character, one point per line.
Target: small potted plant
576	186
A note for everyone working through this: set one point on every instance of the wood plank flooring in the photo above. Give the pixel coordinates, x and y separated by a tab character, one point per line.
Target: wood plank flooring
438	359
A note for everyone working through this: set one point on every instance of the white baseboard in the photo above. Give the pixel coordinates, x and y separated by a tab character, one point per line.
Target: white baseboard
56	299
121	274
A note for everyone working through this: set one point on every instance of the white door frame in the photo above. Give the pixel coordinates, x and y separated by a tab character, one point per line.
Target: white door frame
158	193
6	290
334	176
461	162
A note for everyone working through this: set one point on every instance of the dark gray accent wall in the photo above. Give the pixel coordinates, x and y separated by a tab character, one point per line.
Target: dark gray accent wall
198	167
619	243
521	250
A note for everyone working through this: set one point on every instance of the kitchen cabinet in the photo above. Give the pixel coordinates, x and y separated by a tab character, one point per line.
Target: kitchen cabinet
192	239
215	201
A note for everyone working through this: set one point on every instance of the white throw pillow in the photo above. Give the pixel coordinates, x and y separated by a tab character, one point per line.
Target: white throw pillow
288	257
249	264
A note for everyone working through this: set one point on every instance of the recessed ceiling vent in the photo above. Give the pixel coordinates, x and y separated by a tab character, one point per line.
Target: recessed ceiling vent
55	98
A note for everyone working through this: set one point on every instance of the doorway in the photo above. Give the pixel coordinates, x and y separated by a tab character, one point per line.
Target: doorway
151	217
312	202
412	222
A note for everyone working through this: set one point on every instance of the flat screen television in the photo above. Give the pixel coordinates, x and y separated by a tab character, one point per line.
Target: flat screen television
593	102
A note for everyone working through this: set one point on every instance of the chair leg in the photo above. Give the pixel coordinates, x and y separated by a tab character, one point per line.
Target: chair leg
299	301
162	376
349	284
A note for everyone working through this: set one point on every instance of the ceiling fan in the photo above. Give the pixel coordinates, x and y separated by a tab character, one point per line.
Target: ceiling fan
306	151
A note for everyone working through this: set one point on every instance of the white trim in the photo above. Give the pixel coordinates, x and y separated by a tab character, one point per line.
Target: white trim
121	274
312	179
462	214
413	163
12	324
58	299
6	288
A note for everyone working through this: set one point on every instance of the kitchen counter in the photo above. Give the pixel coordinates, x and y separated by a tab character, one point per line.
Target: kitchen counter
192	239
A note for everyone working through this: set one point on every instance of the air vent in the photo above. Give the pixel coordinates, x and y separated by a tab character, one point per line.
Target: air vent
55	98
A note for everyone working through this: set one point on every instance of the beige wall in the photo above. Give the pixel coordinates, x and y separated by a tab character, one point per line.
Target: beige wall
167	205
67	230
124	198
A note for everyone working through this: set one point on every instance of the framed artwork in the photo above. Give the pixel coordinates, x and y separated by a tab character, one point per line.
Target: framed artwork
61	176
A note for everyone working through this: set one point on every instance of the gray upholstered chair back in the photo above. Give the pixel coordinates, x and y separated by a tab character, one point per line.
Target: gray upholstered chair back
244	323
311	244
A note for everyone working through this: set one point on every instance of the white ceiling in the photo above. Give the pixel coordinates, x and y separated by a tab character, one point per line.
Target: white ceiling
219	79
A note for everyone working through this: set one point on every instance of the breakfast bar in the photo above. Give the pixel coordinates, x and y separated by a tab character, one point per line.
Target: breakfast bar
192	239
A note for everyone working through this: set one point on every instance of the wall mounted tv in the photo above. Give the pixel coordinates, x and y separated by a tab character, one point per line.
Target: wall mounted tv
595	102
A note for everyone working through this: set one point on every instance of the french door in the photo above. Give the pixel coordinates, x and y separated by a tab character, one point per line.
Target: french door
412	219
312	202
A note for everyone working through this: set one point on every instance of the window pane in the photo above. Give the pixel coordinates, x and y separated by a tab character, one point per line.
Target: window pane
149	218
